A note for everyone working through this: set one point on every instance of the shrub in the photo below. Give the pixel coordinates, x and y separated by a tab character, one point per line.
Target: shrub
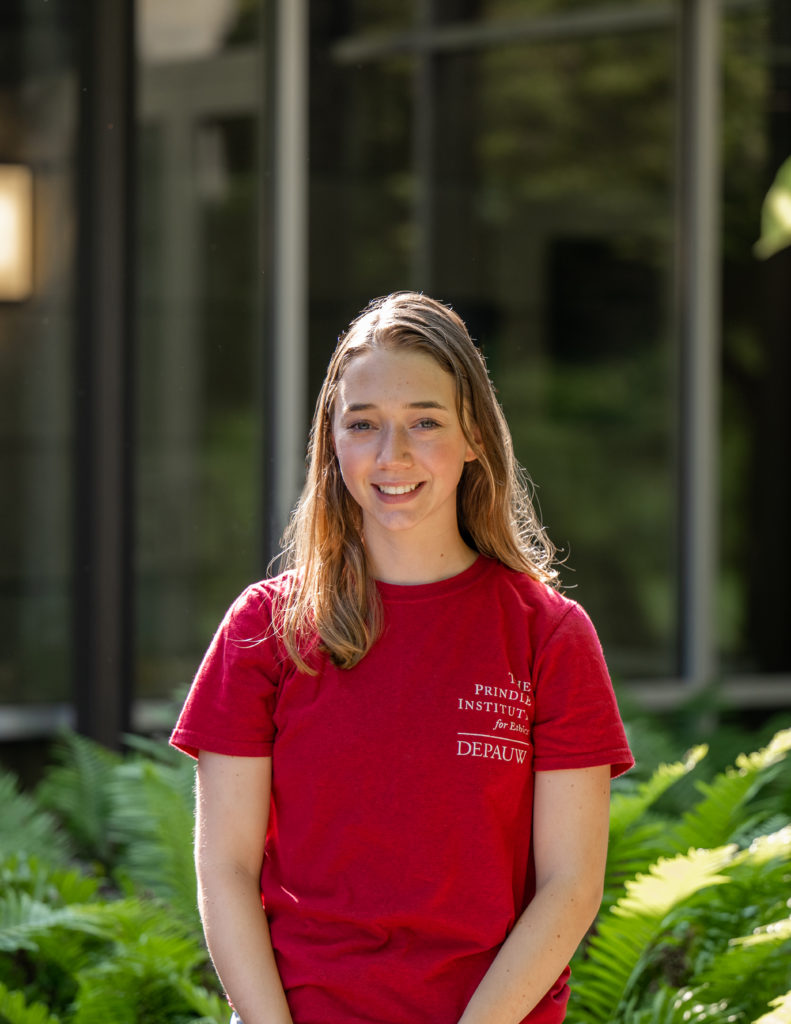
98	916
695	925
99	925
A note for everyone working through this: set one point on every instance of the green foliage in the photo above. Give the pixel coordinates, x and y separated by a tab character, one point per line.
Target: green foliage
26	830
76	789
98	917
637	838
15	1010
151	822
705	914
98	923
780	1012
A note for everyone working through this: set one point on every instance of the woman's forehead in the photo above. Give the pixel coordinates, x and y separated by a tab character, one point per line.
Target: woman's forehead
395	369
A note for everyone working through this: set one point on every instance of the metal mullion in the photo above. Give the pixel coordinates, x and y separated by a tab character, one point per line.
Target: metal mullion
699	333
287	393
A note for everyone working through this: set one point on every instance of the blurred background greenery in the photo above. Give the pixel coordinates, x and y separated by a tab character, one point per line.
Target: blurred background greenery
98	917
525	160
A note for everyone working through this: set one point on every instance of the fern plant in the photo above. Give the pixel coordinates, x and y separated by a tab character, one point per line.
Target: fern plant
27	830
686	938
98	918
76	789
98	921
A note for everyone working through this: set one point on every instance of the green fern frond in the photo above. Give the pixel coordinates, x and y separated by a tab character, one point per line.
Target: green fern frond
626	934
212	1006
777	931
45	882
23	920
76	789
15	1010
627	808
780	1012
696	1006
25	829
179	771
139	984
106	996
152	822
149	935
768	847
637	841
714	819
671	880
156	750
722	963
731	976
632	852
148	973
749	831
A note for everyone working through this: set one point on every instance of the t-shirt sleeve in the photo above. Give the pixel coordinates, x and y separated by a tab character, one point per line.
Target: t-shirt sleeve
577	723
230	706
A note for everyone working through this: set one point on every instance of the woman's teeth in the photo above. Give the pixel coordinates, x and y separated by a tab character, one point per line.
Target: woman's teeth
399	489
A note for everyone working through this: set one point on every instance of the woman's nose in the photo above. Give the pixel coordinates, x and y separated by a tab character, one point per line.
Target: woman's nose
394	446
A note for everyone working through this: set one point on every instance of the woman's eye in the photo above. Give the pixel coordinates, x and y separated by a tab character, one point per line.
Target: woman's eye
359	425
428	424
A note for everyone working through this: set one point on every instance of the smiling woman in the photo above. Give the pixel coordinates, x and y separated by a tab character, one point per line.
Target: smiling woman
327	536
458	705
402	467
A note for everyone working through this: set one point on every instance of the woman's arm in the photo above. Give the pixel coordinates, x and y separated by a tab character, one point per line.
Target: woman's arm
231	820
570	829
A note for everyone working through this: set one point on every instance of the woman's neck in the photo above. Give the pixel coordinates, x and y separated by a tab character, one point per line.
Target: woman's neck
395	560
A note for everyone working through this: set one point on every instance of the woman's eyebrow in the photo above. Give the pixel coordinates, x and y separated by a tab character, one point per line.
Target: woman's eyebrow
365	406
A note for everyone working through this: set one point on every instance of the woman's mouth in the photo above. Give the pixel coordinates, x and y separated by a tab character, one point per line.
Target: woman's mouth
396	488
396	492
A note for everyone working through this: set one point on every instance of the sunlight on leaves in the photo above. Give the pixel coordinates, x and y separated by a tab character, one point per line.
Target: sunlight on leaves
777	931
781	1012
776	215
673	879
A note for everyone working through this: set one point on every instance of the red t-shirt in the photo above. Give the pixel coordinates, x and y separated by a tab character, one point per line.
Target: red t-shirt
399	849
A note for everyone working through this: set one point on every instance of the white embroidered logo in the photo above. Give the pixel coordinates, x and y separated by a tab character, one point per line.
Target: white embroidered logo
504	735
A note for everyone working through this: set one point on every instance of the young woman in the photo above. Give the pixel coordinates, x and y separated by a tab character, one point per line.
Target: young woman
405	741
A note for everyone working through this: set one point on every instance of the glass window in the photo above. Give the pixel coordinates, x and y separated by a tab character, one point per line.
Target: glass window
38	125
374	15
362	192
754	602
554	236
531	186
201	275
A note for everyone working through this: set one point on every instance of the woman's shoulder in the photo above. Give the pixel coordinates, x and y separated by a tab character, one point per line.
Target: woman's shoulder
531	588
273	586
258	601
551	617
546	603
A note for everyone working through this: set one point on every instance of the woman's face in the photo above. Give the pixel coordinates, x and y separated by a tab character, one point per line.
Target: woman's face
399	442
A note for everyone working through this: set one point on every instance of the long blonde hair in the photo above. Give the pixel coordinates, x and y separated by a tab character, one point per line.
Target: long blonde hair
333	602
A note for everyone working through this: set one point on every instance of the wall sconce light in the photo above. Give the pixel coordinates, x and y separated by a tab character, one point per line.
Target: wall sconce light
16	233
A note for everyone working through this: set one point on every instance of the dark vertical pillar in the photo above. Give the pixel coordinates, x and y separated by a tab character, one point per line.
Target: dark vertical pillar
699	271
103	414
